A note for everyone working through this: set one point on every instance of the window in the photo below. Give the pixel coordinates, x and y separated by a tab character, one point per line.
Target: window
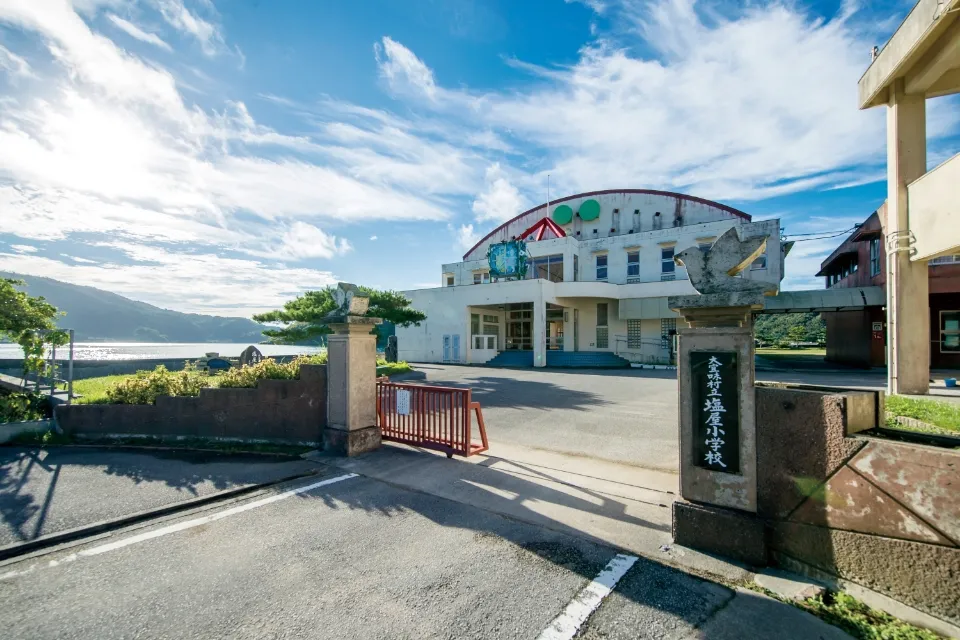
547	268
477	278
576	267
486	276
491	319
602	266
945	260
668	329
949	331
760	263
616	221
874	257
633	264
449	281
634	340
667	267
603	338
601	314
474	324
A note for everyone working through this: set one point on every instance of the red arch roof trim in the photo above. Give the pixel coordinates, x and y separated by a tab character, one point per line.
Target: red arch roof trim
542	225
654	192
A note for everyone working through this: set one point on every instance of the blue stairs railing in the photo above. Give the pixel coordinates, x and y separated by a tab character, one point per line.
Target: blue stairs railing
572	359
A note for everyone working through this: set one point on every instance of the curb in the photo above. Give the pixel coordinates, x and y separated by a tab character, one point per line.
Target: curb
70	535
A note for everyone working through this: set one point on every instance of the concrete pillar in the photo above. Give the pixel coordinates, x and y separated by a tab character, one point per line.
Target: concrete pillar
908	285
352	388
539	332
568	328
568	272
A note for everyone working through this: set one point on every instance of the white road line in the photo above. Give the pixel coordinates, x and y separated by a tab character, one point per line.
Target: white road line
180	526
566	625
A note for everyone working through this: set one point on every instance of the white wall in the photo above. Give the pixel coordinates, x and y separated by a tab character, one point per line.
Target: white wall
692	212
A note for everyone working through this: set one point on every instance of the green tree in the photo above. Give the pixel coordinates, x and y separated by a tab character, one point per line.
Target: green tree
303	317
797	334
28	321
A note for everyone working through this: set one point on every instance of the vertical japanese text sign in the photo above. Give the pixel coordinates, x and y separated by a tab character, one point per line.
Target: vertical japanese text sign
716	410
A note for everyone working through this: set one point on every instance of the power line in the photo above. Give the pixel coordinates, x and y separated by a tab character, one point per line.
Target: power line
820	235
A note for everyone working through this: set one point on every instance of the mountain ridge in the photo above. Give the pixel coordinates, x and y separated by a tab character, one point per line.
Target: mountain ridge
103	316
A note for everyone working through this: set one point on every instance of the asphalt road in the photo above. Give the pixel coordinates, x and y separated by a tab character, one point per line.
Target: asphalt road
48	490
361	559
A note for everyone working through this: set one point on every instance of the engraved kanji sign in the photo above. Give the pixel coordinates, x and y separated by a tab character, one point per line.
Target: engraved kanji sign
716	410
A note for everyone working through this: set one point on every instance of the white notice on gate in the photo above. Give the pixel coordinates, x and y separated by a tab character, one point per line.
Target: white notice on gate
403	402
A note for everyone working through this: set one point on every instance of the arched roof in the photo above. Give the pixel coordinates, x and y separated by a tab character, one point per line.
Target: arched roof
655	192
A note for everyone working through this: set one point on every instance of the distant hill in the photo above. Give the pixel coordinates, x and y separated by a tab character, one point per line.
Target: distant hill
101	316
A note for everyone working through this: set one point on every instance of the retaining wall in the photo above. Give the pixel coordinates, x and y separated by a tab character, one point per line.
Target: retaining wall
282	411
880	513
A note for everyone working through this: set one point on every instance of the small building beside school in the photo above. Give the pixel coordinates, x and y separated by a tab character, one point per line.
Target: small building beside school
859	337
599	272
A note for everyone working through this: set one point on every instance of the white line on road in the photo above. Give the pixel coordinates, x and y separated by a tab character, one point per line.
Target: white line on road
180	526
566	625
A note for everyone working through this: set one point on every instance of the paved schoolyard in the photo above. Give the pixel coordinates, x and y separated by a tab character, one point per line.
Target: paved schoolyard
623	415
627	416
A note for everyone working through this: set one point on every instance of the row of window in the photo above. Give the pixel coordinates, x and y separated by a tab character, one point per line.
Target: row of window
667	266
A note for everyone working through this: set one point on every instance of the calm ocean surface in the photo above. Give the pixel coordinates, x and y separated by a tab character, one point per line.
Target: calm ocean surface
143	350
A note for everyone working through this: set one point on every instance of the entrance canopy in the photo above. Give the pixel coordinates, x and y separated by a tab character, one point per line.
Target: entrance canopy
825	300
784	302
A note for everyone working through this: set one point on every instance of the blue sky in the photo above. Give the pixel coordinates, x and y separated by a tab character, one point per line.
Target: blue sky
220	156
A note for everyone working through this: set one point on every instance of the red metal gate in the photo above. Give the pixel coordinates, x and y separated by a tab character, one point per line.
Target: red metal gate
437	418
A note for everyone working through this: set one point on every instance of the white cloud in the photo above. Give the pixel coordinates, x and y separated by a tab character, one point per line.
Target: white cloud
402	69
596	5
204	283
500	200
466	237
373	238
303	240
23	248
14	64
182	19
136	32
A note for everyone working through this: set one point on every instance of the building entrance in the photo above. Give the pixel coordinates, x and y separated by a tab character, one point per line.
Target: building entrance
519	320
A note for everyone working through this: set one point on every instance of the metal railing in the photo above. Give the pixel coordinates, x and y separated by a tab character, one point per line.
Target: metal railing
438	418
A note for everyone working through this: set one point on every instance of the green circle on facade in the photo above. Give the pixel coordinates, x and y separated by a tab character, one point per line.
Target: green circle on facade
563	214
589	210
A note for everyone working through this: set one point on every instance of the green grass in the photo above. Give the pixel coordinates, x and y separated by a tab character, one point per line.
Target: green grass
392	368
942	415
94	390
862	622
792	353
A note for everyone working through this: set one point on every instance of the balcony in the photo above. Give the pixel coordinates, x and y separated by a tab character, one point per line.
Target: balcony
934	209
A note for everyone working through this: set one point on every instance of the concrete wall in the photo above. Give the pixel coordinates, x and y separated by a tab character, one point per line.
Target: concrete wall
648	244
285	411
883	514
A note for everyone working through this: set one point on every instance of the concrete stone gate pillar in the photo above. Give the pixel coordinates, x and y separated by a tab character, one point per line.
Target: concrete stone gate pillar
718	431
351	376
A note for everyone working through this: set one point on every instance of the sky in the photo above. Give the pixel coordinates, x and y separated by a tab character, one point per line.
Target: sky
222	156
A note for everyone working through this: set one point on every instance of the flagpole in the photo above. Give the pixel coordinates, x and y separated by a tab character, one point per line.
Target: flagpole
548	195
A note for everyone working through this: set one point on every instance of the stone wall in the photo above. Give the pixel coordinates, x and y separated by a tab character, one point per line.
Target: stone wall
282	411
883	514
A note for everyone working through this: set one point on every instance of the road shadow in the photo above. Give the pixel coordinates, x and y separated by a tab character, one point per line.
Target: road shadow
43	490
